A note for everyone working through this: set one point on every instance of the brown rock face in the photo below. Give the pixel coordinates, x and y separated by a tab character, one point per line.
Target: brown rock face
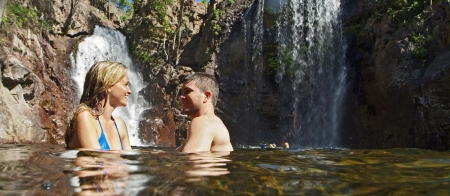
399	85
400	88
164	124
158	128
36	91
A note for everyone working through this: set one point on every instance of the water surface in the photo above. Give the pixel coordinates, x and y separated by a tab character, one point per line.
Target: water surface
53	170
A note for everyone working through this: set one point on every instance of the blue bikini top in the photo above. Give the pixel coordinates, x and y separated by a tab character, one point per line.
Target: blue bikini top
102	140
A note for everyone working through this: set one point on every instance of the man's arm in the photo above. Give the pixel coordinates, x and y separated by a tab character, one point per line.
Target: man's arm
199	136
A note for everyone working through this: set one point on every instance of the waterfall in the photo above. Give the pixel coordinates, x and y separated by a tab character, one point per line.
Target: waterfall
311	70
108	44
291	82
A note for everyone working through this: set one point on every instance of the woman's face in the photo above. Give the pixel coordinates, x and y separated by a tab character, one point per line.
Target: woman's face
118	94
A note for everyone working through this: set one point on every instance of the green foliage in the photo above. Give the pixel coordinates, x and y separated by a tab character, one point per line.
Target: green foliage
356	24
160	7
216	28
125	5
274	64
419	38
420	53
205	2
124	17
404	11
231	2
22	16
144	55
217	13
283	61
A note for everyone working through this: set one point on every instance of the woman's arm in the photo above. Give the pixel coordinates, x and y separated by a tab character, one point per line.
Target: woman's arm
86	131
123	133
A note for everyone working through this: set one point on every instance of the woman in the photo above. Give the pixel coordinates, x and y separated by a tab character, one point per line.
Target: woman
106	87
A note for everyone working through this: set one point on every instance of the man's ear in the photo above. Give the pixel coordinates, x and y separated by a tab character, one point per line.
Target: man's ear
208	95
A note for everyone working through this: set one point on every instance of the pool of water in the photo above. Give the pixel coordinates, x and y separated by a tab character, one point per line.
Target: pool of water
53	170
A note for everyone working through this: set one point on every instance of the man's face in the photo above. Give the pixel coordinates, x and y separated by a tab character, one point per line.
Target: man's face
191	98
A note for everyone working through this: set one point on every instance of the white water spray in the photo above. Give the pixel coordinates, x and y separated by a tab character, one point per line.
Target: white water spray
108	44
314	74
302	43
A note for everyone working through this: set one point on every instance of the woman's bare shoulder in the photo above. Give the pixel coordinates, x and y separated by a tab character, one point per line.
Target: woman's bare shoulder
121	123
85	118
85	115
118	119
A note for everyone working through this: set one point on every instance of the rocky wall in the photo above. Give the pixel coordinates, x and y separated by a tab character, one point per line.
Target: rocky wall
399	82
36	91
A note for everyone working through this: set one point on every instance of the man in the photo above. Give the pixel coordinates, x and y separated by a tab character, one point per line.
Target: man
206	131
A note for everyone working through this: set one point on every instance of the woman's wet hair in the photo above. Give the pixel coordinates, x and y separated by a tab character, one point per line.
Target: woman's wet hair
101	76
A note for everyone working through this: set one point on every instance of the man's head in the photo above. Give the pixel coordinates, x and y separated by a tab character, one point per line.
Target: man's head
205	82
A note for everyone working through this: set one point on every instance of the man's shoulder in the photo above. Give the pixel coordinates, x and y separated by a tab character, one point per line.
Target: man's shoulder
207	118
208	122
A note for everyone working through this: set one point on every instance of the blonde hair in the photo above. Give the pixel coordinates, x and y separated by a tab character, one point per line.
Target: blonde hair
205	82
101	76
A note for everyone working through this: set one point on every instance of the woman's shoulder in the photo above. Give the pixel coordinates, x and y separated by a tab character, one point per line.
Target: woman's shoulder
87	124
85	116
121	124
119	120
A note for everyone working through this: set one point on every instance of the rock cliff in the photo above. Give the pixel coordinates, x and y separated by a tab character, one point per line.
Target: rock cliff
36	90
398	54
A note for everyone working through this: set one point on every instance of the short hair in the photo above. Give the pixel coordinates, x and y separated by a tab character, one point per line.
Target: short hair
205	82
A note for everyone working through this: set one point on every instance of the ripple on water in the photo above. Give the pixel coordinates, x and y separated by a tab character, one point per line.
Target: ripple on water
52	170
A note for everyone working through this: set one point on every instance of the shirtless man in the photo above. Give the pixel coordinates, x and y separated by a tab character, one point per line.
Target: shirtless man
206	132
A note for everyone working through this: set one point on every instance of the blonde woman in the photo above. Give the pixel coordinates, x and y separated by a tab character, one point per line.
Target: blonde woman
92	126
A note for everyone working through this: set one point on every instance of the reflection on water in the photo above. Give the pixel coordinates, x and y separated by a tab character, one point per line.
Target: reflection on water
52	170
99	173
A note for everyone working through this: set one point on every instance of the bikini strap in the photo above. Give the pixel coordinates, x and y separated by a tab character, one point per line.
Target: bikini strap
118	133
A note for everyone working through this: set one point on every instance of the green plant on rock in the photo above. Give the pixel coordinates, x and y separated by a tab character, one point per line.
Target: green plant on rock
282	61
124	18
159	6
420	40
217	13
22	16
274	64
216	28
403	11
143	54
420	53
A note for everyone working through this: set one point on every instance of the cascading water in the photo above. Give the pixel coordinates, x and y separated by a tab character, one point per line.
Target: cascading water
290	83
311	70
108	44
